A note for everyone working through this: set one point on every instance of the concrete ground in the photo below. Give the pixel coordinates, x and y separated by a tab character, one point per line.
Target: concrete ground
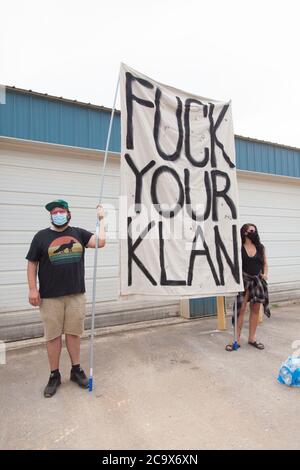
169	385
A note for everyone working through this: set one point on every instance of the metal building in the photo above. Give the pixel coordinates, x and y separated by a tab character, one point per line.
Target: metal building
52	148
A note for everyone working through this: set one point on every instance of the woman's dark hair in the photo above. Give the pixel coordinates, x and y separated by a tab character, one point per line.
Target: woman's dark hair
259	246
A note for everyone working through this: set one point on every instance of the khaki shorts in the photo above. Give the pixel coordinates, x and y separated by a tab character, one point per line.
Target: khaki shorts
63	315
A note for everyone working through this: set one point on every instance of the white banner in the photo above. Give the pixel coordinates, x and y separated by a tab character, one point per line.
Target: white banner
179	230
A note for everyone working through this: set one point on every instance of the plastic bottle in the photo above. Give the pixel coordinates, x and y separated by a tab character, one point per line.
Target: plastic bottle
285	375
289	372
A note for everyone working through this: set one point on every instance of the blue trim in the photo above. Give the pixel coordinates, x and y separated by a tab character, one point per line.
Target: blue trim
267	158
37	117
203	307
26	116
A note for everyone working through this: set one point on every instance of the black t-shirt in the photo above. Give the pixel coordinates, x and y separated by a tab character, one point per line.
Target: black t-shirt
61	260
253	265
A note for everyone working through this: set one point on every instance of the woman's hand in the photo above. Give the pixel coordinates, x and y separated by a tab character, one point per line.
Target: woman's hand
264	276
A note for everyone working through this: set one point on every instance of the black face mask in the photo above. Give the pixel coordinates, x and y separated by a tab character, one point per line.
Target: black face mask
253	236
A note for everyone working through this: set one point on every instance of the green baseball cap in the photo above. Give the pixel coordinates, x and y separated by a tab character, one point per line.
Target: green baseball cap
57	203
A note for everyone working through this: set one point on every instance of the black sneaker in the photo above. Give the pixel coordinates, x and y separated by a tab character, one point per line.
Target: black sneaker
78	376
51	387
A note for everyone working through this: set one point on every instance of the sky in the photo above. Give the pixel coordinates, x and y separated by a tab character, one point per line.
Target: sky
245	51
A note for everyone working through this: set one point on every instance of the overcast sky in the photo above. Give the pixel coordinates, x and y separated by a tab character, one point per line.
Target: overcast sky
247	51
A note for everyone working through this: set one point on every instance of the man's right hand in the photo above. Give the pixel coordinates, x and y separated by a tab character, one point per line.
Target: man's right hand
34	297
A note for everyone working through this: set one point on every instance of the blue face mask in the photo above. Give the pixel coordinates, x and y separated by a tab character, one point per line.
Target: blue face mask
60	219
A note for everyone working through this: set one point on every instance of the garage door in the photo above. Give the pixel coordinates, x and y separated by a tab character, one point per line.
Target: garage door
30	178
273	204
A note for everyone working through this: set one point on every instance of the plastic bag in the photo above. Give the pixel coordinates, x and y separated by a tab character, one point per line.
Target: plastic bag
289	372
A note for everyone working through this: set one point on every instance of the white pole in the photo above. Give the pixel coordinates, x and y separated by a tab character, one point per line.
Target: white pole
235	342
91	360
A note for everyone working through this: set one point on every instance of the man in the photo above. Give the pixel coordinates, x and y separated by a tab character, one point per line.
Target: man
57	253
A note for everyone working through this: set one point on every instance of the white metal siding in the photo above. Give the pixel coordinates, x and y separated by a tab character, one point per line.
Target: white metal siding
31	175
273	204
28	182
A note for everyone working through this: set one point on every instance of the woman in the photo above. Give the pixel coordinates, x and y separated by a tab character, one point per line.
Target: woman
255	275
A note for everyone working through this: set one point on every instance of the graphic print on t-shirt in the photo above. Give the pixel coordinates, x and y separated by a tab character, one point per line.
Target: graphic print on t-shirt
65	250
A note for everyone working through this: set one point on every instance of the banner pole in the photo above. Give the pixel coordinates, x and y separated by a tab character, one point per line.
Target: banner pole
91	348
235	345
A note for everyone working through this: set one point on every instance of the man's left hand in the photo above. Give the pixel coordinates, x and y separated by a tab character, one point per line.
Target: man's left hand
100	212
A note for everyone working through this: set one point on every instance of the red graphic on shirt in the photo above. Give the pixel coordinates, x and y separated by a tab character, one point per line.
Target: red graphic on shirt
65	250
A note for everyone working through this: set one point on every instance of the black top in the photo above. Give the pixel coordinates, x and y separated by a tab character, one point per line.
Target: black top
252	265
61	260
